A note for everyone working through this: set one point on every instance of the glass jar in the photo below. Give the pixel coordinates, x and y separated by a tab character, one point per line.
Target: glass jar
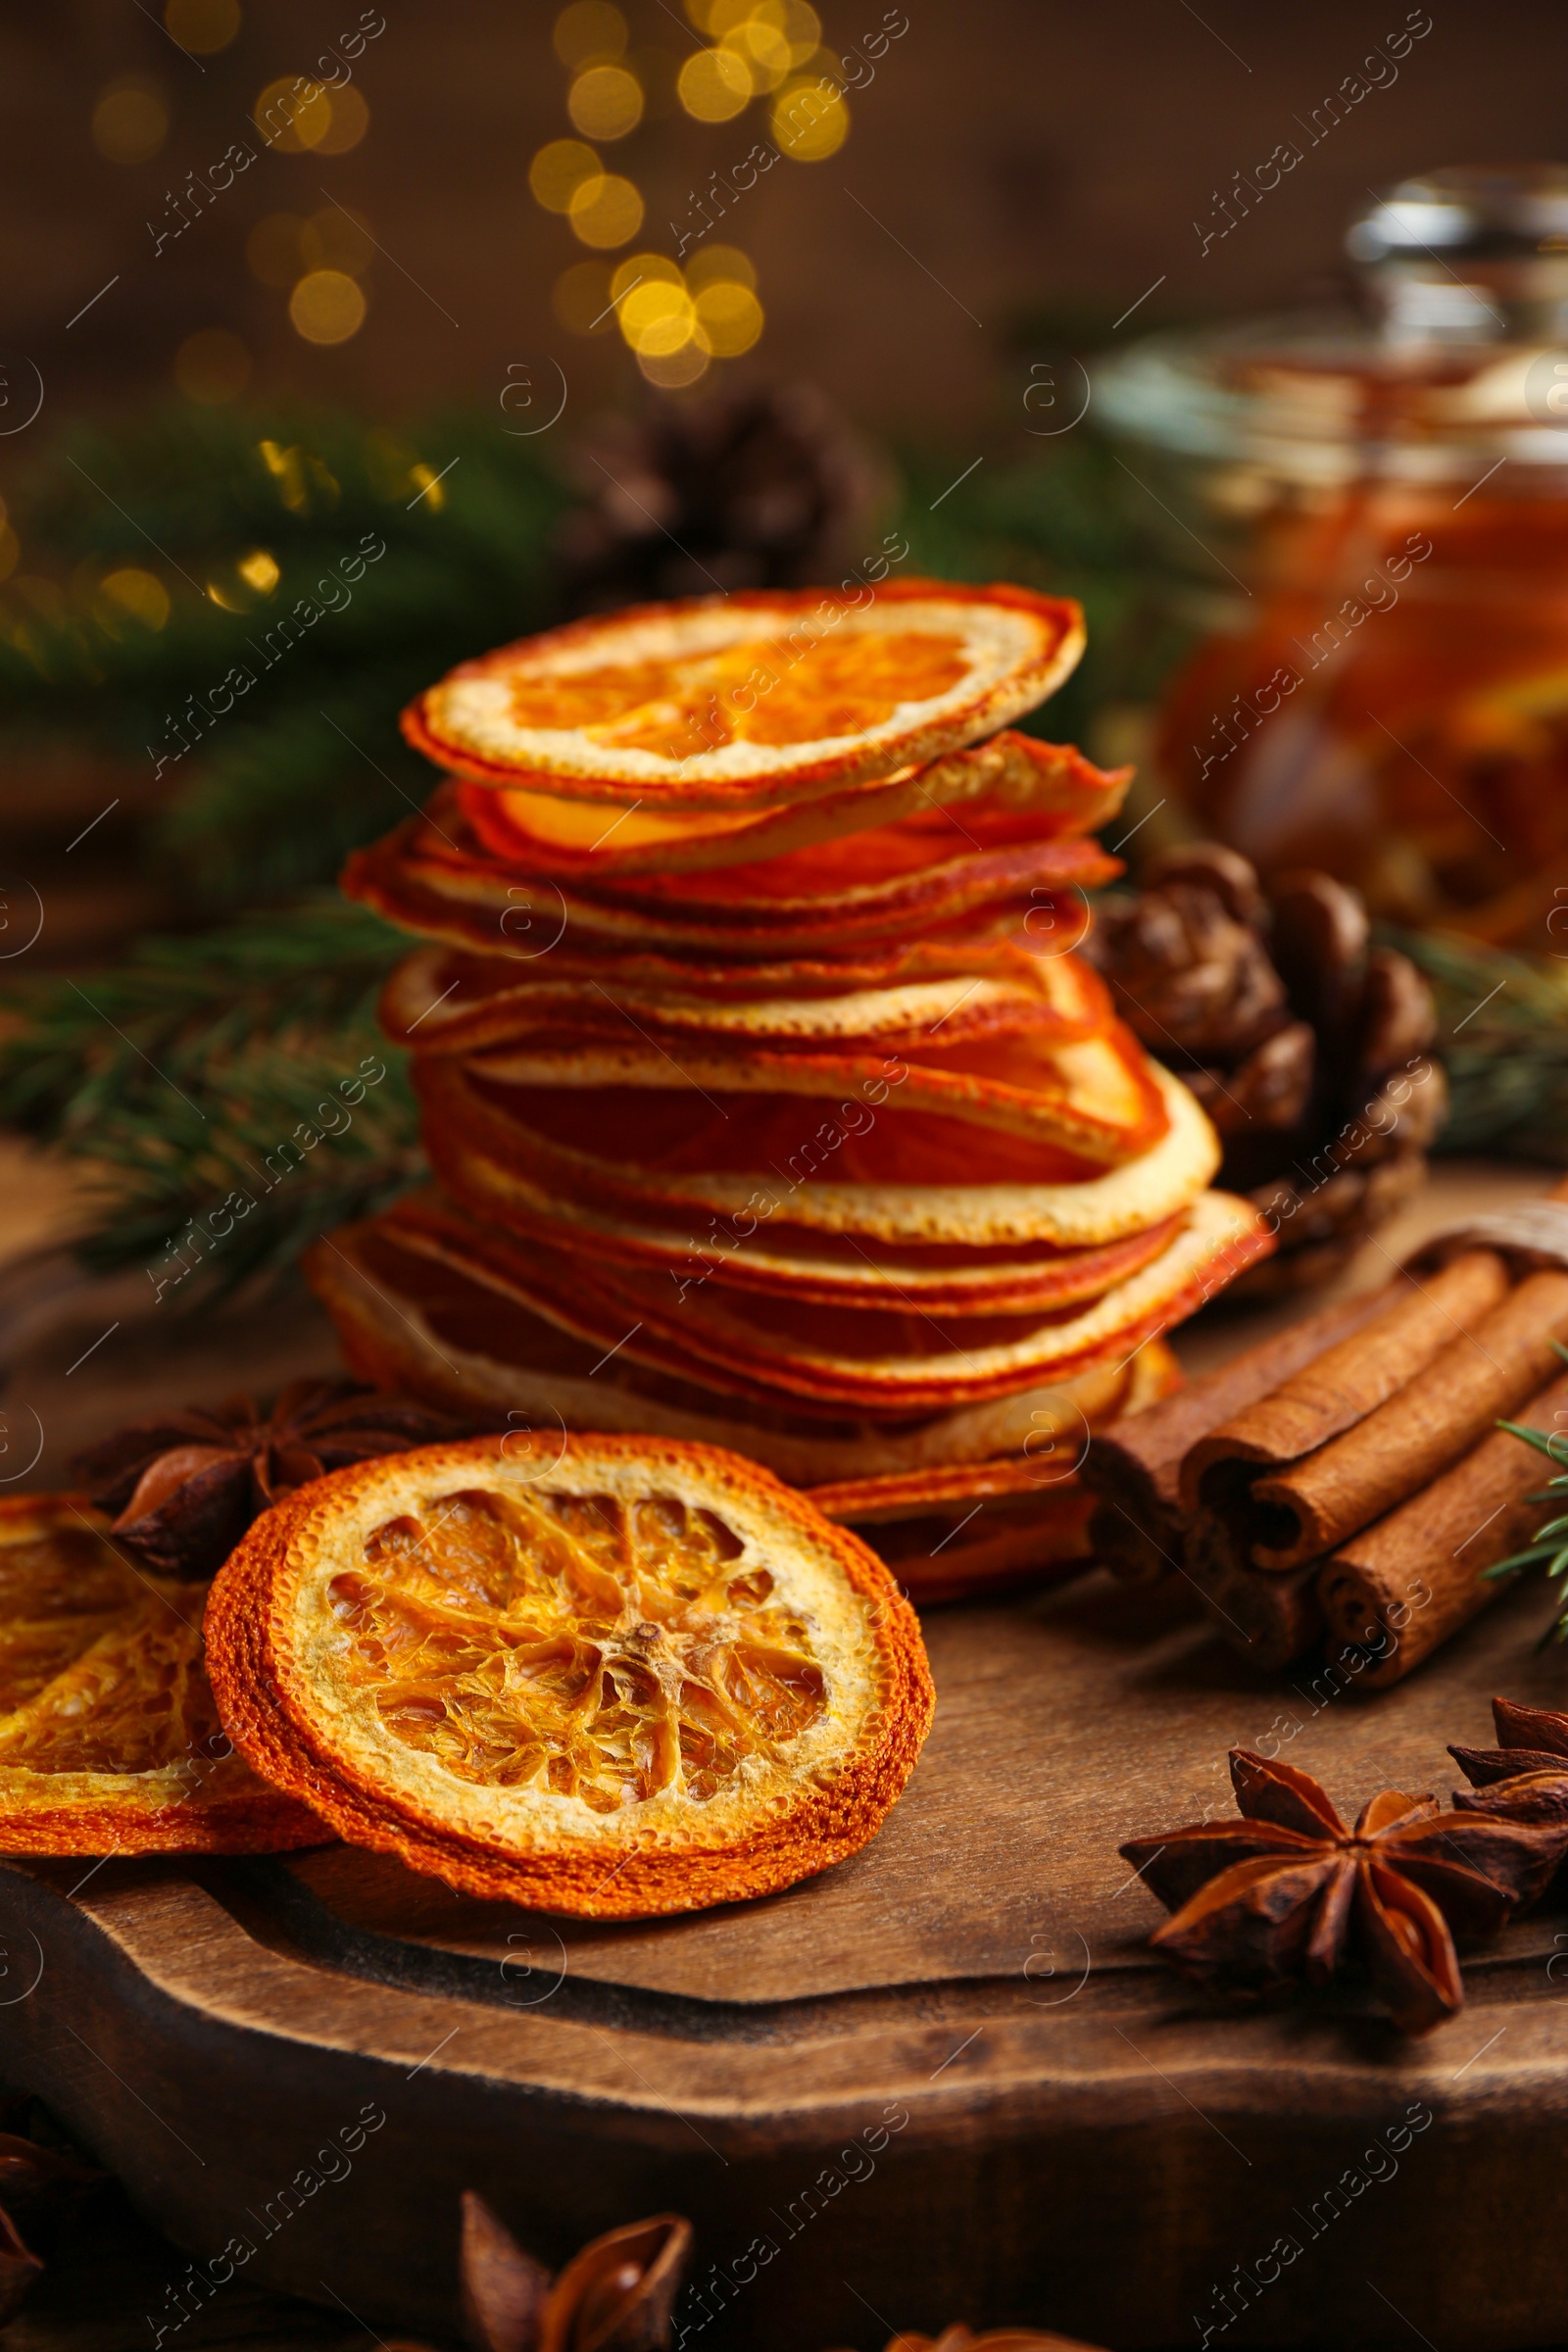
1366	523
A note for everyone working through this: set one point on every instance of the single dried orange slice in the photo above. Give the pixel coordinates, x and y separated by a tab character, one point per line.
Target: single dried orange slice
739	703
109	1740
642	1677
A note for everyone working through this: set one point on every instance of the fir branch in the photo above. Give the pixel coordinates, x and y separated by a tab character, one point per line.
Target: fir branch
229	1095
234	525
1502	1032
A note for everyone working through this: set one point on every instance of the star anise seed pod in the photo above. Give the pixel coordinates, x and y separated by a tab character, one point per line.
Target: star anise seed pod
185	1486
19	2270
958	2339
1288	1892
1525	1776
617	2295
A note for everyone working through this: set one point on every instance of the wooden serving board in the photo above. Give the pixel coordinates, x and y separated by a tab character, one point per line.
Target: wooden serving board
943	2081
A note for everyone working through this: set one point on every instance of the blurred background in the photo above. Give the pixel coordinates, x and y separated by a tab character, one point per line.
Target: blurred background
340	343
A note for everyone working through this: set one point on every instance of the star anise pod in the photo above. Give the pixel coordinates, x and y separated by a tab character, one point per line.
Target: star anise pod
616	2296
958	2339
1288	1892
1525	1776
185	1486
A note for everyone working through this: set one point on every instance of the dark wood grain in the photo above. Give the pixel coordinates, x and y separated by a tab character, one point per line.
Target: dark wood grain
1086	2145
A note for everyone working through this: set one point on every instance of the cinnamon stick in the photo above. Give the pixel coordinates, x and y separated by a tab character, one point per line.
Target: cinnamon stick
1134	1467
1296	1514
1339	1387
1270	1620
1398	1590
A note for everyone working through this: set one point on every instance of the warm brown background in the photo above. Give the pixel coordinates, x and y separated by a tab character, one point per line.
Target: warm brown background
1027	154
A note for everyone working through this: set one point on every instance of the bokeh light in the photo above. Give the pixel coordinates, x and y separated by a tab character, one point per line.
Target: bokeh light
134	592
656	316
349	119
605	211
809	122
212	367
676	322
258	571
559	170
581	298
731	317
326	306
203	26
590	33
720	260
130	123
761	49
671	370
639	267
713	84
606	102
293	114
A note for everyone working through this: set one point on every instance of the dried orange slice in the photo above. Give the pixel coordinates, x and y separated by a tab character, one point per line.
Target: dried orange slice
418	1308
639	1678
1053	784
109	1740
739	703
836	1165
887	1357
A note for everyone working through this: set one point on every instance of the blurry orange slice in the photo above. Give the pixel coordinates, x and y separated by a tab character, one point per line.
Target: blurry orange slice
640	1677
1051	785
743	702
109	1740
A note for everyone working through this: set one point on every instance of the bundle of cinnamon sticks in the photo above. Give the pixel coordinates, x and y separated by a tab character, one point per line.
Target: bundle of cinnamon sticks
1347	1477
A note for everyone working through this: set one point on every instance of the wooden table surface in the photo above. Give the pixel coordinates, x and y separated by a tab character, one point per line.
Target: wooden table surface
945	2080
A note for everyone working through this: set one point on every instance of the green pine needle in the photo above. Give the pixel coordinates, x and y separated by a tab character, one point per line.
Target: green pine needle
229	1095
1545	1549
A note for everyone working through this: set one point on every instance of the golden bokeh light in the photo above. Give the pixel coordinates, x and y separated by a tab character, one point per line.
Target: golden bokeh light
762	50
430	486
130	123
713	84
590	33
672	370
731	317
273	248
203	26
809	121
293	114
336	239
582	300
258	571
559	170
802	29
638	268
212	367
326	306
605	211
137	593
657	316
720	260
349	120
604	102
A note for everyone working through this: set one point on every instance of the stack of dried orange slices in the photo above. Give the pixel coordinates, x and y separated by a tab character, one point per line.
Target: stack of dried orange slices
768	1103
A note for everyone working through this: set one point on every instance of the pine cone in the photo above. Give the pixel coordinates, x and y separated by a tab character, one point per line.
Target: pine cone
756	489
1307	1047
